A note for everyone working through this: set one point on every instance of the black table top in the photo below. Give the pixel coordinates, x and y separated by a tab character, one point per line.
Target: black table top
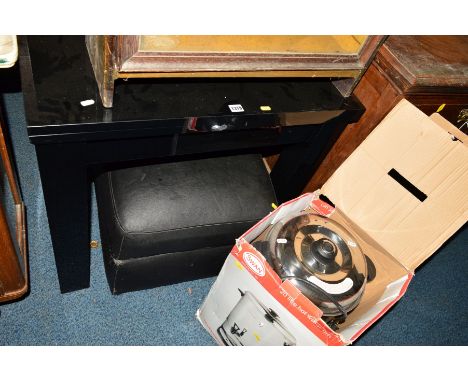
57	75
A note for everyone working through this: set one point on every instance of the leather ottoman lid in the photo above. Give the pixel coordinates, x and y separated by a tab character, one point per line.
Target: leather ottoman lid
182	206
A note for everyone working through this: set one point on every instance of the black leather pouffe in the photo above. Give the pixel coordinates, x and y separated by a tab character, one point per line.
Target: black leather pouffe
174	222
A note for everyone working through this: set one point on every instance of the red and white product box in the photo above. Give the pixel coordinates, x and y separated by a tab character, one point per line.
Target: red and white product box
398	221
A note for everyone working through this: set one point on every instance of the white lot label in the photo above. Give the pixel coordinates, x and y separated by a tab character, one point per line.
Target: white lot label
236	108
87	102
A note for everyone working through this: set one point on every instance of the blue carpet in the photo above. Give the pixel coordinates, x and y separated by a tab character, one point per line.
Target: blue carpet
433	312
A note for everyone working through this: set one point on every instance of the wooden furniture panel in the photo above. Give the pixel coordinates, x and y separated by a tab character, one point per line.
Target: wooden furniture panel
13	277
342	58
429	71
426	64
13	280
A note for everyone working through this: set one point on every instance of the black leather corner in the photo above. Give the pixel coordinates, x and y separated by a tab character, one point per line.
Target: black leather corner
164	269
177	213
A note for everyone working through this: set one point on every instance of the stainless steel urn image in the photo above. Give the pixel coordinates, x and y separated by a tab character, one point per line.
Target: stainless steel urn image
252	323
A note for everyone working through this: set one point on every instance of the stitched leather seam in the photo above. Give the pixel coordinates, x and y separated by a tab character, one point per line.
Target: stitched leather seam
120	263
120	249
114	206
192	227
117	261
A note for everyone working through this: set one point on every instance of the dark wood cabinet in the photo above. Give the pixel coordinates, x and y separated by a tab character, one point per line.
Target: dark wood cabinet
341	58
13	261
429	71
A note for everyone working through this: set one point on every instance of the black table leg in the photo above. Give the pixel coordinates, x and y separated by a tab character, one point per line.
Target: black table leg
67	192
297	163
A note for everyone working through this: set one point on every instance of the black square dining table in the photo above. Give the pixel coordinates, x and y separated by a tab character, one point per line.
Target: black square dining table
160	120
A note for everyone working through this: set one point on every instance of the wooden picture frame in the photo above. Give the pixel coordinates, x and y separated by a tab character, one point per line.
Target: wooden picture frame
342	58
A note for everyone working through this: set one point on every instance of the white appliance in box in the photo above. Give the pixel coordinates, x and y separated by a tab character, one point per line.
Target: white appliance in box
400	196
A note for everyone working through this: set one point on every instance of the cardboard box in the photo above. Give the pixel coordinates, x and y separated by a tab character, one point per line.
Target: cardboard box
401	194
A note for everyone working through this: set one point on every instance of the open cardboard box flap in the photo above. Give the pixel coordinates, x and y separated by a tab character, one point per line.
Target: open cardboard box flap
406	185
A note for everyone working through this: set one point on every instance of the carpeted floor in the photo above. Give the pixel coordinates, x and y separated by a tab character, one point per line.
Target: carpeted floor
433	312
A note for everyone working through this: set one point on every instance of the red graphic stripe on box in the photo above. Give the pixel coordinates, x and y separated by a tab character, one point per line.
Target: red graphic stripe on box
322	207
255	263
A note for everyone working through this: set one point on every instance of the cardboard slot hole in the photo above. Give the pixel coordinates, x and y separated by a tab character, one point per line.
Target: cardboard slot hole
407	185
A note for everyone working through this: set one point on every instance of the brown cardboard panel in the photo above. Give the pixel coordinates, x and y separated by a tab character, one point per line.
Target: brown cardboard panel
442	122
388	270
425	154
